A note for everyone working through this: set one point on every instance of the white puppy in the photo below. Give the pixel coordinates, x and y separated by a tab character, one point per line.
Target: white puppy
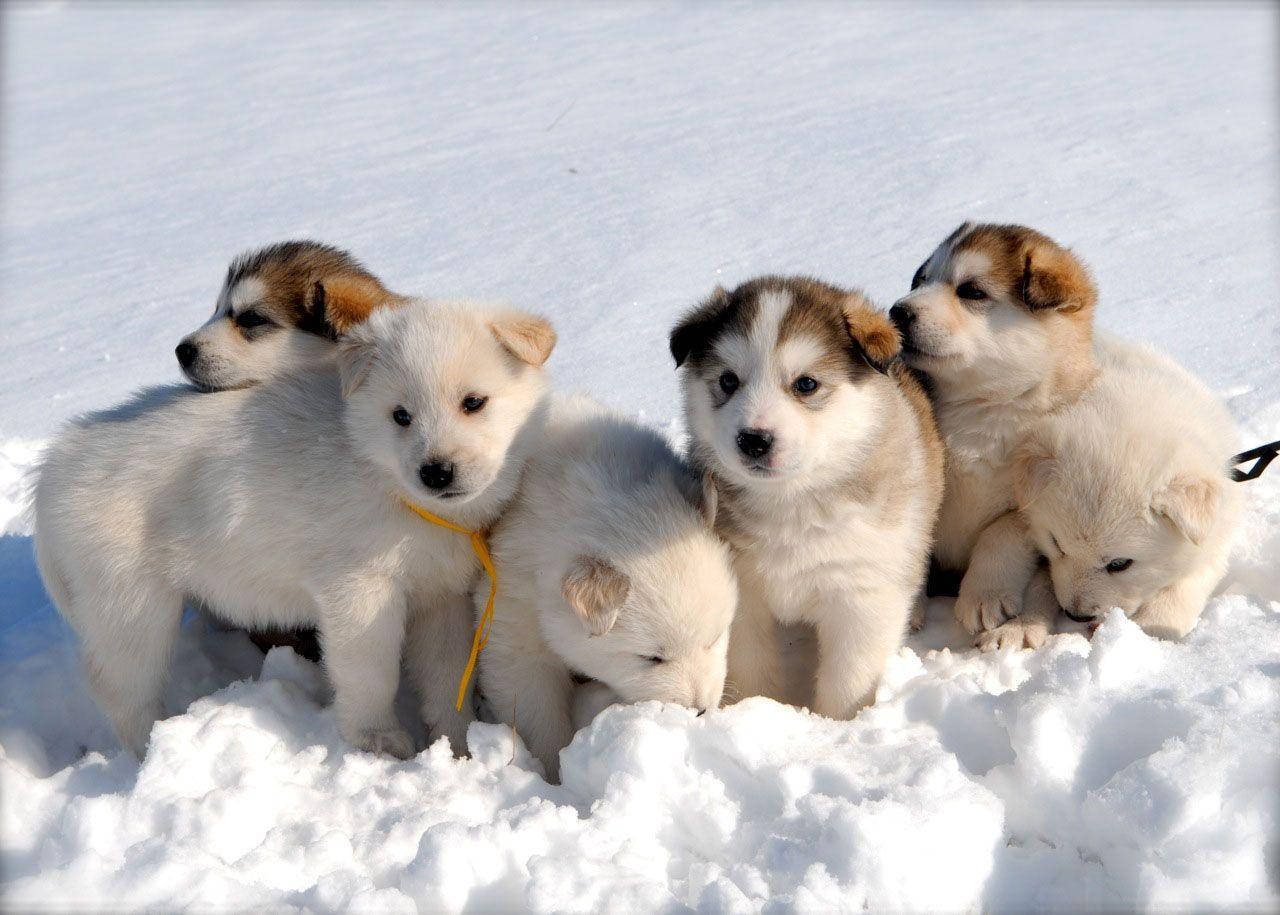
1000	318
828	471
1127	493
282	504
608	568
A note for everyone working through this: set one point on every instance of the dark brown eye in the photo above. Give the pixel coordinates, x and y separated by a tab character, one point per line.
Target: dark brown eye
473	403
401	416
804	385
971	291
251	319
1118	565
729	383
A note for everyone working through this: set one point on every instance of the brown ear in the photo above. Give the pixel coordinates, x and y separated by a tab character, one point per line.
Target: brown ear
529	338
696	329
1054	278
596	591
872	332
1033	468
345	300
356	355
1190	504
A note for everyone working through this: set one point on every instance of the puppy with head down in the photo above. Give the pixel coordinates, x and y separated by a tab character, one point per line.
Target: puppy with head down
828	470
1000	319
608	570
1127	493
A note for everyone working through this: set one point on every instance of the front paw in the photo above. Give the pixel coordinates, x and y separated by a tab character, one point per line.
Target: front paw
1015	634
385	742
985	610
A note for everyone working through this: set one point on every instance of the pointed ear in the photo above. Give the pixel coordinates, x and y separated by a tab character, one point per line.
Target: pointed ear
696	329
356	355
527	337
596	591
1190	503
346	300
700	491
1054	278
872	333
1033	469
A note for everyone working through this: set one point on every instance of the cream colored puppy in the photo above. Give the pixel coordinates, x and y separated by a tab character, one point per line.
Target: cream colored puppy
282	504
608	569
828	470
1000	319
1127	492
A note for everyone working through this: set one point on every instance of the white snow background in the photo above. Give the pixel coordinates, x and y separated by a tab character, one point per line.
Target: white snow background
607	165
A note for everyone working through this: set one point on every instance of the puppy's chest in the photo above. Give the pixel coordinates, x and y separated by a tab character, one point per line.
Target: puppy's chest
803	540
979	488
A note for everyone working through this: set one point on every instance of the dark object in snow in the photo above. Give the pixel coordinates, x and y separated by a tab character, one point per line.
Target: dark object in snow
305	642
1263	455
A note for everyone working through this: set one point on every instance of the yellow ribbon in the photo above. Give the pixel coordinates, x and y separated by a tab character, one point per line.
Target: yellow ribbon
481	637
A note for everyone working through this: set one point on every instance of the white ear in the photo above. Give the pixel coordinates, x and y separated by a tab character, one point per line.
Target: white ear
1033	468
356	355
527	337
1190	504
596	591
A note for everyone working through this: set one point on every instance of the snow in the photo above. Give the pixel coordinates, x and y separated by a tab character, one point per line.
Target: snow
608	165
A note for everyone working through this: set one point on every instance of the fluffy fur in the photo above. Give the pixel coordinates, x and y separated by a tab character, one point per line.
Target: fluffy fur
280	504
608	569
280	310
828	471
1133	474
1000	319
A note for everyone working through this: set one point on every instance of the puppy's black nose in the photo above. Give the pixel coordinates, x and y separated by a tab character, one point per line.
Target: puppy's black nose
902	316
186	353
436	475
755	443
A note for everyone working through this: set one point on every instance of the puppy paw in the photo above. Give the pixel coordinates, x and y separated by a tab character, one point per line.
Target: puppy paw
985	611
386	742
1015	635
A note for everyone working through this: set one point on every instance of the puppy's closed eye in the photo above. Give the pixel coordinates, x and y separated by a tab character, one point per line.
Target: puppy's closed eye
250	318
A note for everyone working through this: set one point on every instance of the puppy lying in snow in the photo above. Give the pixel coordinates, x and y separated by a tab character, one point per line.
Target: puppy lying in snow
828	471
1000	318
282	504
1127	493
280	310
608	568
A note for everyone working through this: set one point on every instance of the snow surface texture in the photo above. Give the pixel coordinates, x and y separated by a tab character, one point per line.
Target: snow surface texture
608	166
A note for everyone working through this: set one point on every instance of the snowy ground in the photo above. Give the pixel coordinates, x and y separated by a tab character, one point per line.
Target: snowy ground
608	165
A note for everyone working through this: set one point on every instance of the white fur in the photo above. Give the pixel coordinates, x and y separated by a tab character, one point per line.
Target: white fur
603	488
1135	469
280	505
814	540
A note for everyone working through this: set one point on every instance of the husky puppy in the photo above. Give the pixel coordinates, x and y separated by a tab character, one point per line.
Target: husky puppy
1000	319
828	470
280	310
283	504
1127	493
608	569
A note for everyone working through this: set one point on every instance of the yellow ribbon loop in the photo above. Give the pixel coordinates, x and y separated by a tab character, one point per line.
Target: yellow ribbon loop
481	637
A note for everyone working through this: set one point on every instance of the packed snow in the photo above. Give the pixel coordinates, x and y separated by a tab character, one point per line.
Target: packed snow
607	165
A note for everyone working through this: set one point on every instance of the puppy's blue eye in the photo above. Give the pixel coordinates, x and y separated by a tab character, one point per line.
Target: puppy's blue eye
804	385
970	291
729	382
1118	565
402	416
473	402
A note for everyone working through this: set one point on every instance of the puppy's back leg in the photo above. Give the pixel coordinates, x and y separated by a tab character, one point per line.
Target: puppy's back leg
127	644
437	644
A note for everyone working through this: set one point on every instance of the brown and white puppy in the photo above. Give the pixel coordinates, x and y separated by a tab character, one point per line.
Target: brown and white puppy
1000	319
828	471
280	309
